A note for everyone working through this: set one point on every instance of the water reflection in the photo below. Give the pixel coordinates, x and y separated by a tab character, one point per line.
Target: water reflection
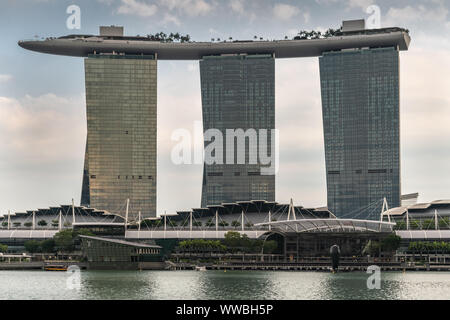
215	285
236	285
418	285
116	285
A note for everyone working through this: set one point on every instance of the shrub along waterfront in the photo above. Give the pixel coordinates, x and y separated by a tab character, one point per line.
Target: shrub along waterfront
234	242
388	245
426	224
429	247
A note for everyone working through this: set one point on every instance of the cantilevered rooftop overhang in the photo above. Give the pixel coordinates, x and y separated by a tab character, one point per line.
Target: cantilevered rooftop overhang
83	46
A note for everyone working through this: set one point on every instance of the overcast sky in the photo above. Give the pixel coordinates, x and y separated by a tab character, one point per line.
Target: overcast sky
42	104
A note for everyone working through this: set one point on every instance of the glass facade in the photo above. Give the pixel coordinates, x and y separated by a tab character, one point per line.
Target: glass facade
120	160
360	108
238	92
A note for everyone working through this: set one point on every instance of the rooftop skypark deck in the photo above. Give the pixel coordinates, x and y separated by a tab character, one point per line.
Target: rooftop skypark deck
83	45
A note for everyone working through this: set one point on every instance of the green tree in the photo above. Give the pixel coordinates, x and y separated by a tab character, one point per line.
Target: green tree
372	248
82	232
413	247
245	242
400	225
17	224
42	223
391	243
444	223
235	224
270	246
201	245
210	223
147	223
28	224
3	248
32	246
223	224
172	223
48	245
184	223
232	239
65	239
428	224
414	225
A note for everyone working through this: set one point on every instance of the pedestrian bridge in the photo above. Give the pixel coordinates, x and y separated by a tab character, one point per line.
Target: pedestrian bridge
256	231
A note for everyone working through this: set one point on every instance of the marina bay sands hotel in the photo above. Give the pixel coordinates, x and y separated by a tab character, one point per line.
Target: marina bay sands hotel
359	79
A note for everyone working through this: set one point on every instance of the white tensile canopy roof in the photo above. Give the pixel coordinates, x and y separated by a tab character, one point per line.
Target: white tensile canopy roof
330	225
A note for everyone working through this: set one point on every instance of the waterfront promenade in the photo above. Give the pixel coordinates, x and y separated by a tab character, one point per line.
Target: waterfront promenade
39	265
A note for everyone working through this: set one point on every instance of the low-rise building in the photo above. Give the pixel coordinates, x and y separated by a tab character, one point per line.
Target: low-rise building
104	253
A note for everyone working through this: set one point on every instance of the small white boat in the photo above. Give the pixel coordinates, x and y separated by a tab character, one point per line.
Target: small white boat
200	268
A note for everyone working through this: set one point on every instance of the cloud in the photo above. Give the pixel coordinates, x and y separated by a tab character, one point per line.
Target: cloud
5	78
425	133
39	127
299	119
181	98
326	2
172	10
237	6
306	16
134	7
247	11
292	33
191	8
42	141
425	102
363	4
414	14
169	18
283	11
107	2
213	31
